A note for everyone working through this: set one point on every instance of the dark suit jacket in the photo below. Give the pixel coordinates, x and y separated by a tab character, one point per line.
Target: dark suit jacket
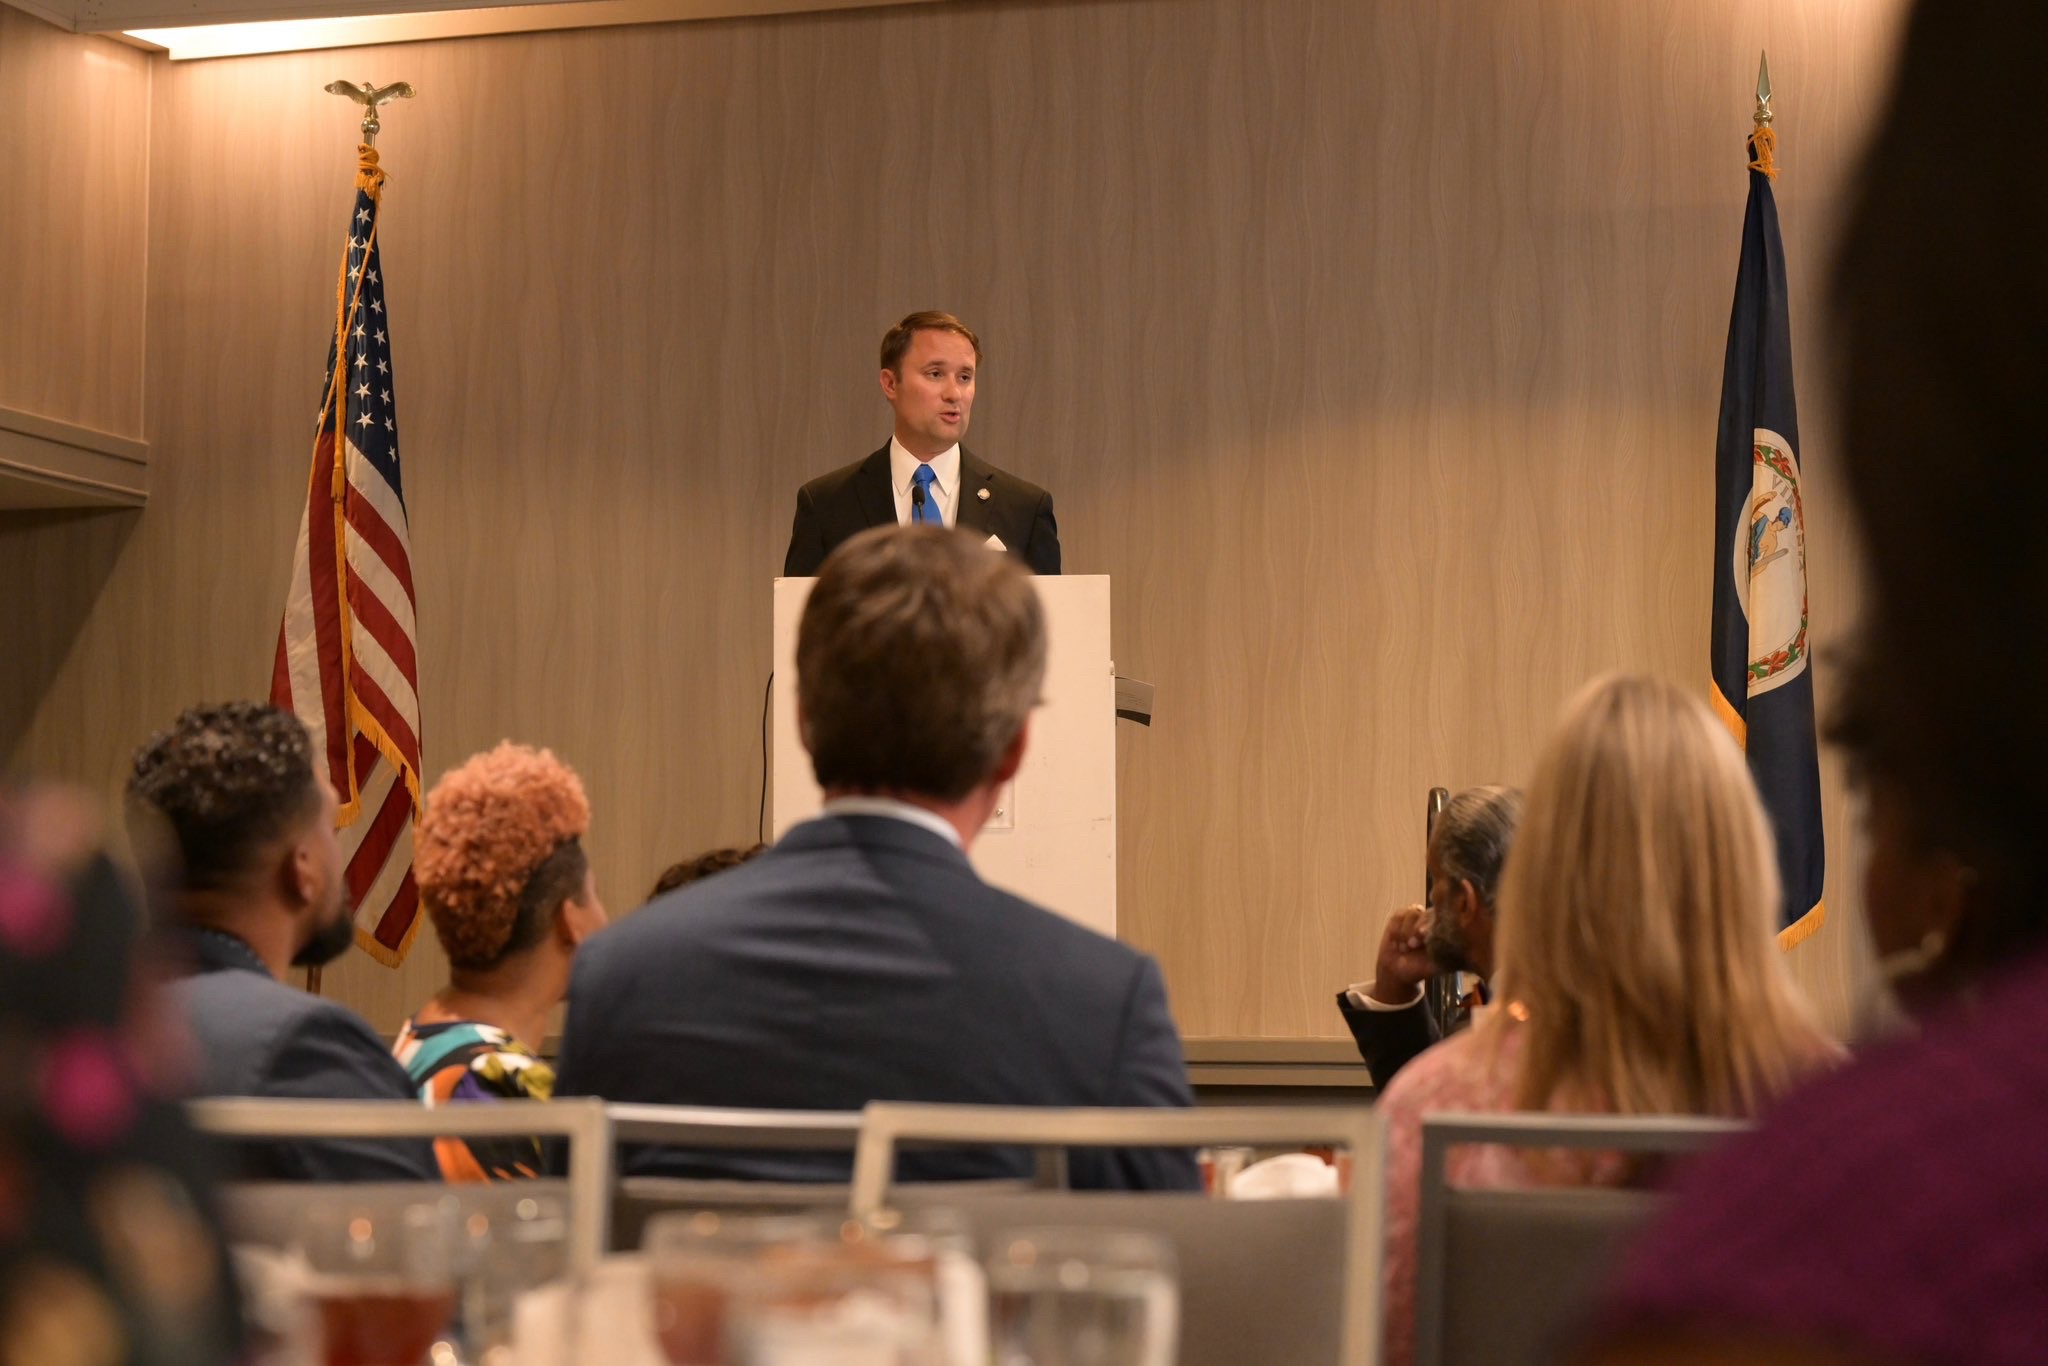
259	1037
861	959
838	506
1387	1039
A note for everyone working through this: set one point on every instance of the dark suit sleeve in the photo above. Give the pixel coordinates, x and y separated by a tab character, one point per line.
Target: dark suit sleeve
1149	1071
1042	551
572	1061
333	1056
806	540
1387	1039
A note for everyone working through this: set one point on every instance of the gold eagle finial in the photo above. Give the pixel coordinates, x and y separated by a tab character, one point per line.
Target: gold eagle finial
371	97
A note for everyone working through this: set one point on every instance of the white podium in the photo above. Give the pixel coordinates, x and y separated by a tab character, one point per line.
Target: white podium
1053	837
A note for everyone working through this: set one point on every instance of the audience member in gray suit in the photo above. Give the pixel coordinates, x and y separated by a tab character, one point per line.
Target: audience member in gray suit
229	801
861	958
1453	934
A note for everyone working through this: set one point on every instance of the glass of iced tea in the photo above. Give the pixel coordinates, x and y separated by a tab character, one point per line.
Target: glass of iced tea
381	1276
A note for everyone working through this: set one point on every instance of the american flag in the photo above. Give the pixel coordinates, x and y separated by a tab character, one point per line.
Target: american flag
345	659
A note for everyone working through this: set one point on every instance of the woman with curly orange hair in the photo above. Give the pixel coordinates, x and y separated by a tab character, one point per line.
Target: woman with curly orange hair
502	873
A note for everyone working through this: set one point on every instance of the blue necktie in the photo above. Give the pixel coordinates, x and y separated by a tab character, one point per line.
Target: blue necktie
926	512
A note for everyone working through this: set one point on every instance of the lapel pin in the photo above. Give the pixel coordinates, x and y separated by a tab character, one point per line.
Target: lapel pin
981	494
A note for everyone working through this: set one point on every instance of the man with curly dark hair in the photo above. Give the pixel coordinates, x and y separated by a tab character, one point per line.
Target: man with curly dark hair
228	803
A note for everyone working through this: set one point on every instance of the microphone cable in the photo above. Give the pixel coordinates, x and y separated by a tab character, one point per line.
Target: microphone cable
761	818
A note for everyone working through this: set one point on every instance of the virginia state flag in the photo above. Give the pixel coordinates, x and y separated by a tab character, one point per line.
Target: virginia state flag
1762	662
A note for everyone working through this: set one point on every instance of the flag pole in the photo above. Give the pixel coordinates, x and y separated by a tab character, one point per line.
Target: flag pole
372	98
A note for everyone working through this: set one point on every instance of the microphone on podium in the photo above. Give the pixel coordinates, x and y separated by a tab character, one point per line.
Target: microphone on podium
916	503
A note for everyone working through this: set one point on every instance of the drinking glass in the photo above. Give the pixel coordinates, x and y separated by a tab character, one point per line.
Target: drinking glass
1083	1297
511	1248
864	1301
960	1282
1220	1167
698	1260
381	1277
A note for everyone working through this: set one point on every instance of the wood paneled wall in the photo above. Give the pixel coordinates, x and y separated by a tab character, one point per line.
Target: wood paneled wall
74	145
1374	349
74	236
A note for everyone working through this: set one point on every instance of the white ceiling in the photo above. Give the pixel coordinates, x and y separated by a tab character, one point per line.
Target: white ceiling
280	25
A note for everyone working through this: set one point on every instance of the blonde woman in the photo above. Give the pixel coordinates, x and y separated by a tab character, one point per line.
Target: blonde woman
1637	971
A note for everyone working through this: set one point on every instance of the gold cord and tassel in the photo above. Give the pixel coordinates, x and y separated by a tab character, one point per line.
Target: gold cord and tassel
369	175
1763	149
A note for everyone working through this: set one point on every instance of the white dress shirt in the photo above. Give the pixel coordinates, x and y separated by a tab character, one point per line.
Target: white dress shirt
895	810
945	489
1360	994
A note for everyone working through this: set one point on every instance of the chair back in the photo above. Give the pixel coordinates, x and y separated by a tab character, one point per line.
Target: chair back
1502	1275
640	1198
1260	1280
1227	1299
707	1126
582	1123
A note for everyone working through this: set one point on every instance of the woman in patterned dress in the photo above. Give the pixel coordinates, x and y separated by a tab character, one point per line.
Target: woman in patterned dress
503	876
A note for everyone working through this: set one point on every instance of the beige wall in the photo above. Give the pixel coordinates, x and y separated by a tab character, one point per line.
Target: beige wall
74	145
74	233
1374	349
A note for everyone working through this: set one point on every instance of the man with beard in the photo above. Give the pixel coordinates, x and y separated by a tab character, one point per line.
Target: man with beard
229	798
1453	934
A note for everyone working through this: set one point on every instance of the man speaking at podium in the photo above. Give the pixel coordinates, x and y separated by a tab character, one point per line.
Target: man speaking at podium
923	475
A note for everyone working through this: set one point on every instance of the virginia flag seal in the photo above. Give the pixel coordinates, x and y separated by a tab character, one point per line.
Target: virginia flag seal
1770	566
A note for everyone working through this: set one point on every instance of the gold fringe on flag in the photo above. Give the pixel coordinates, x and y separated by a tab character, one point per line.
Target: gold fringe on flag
1763	149
1800	930
369	176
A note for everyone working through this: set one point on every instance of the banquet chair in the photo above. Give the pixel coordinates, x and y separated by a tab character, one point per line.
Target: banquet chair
262	1212
640	1198
1286	1280
1503	1274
